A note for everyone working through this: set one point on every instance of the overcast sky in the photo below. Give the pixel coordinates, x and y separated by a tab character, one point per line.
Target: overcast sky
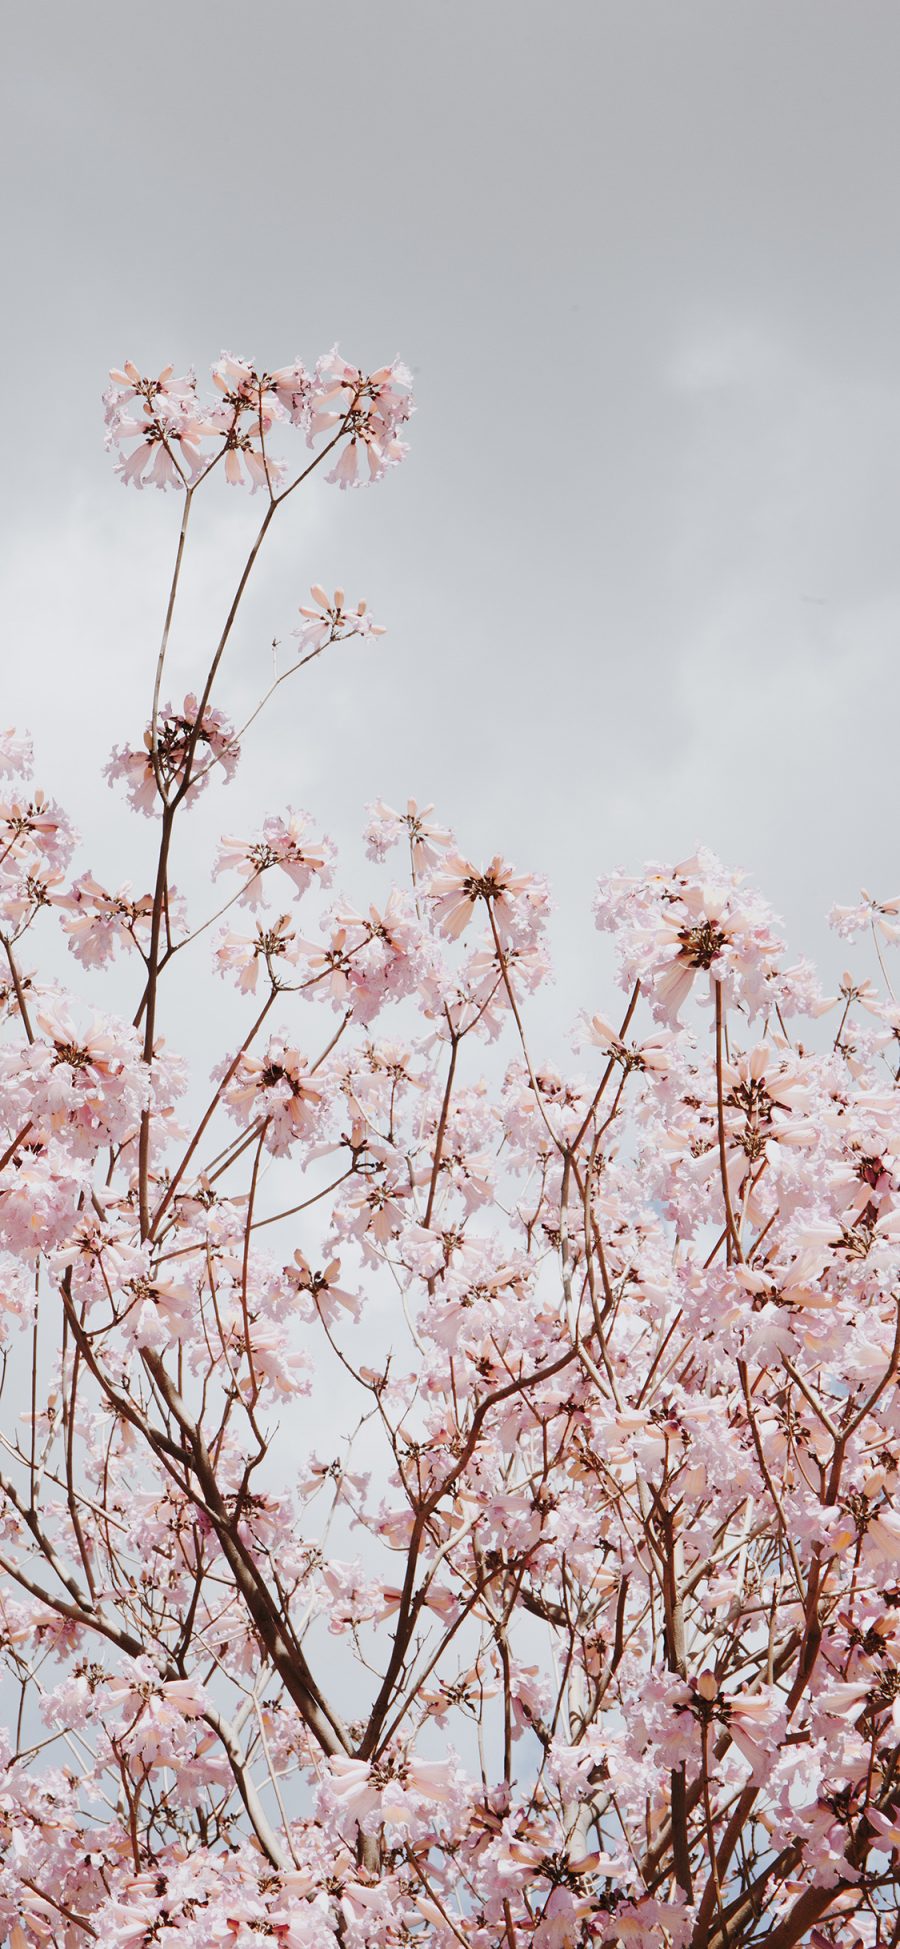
640	571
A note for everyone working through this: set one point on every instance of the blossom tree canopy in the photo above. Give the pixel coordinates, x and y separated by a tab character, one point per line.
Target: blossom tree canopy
585	1629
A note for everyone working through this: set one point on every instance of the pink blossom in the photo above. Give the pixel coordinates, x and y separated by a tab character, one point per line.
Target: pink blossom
330	622
284	843
97	923
387	828
882	916
368	408
274	946
167	433
320	1289
16	754
213	742
516	902
277	1089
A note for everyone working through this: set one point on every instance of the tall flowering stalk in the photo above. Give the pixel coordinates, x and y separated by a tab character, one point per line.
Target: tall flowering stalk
585	1628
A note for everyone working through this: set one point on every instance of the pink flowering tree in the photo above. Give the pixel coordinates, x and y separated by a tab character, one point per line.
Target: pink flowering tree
578	1621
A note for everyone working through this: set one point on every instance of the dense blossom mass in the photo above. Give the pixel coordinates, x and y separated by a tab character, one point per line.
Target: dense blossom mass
447	1497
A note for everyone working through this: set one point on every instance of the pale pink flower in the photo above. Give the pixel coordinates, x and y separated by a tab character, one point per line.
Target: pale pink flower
380	952
653	1054
320	1289
168	432
278	1089
387	828
97	922
692	919
329	967
883	916
16	754
390	1790
246	390
35	828
517	902
286	843
215	745
87	1085
274	947
368	407
331	622
247	458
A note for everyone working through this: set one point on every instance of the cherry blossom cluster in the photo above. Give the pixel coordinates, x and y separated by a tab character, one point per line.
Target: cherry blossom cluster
167	436
450	1488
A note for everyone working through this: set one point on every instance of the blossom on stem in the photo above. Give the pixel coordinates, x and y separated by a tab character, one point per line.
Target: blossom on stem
274	946
386	828
212	738
331	622
284	843
277	1090
16	754
168	434
368	407
516	902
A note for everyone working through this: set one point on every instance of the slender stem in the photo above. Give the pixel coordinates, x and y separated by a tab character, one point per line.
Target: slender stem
167	625
20	992
733	1247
